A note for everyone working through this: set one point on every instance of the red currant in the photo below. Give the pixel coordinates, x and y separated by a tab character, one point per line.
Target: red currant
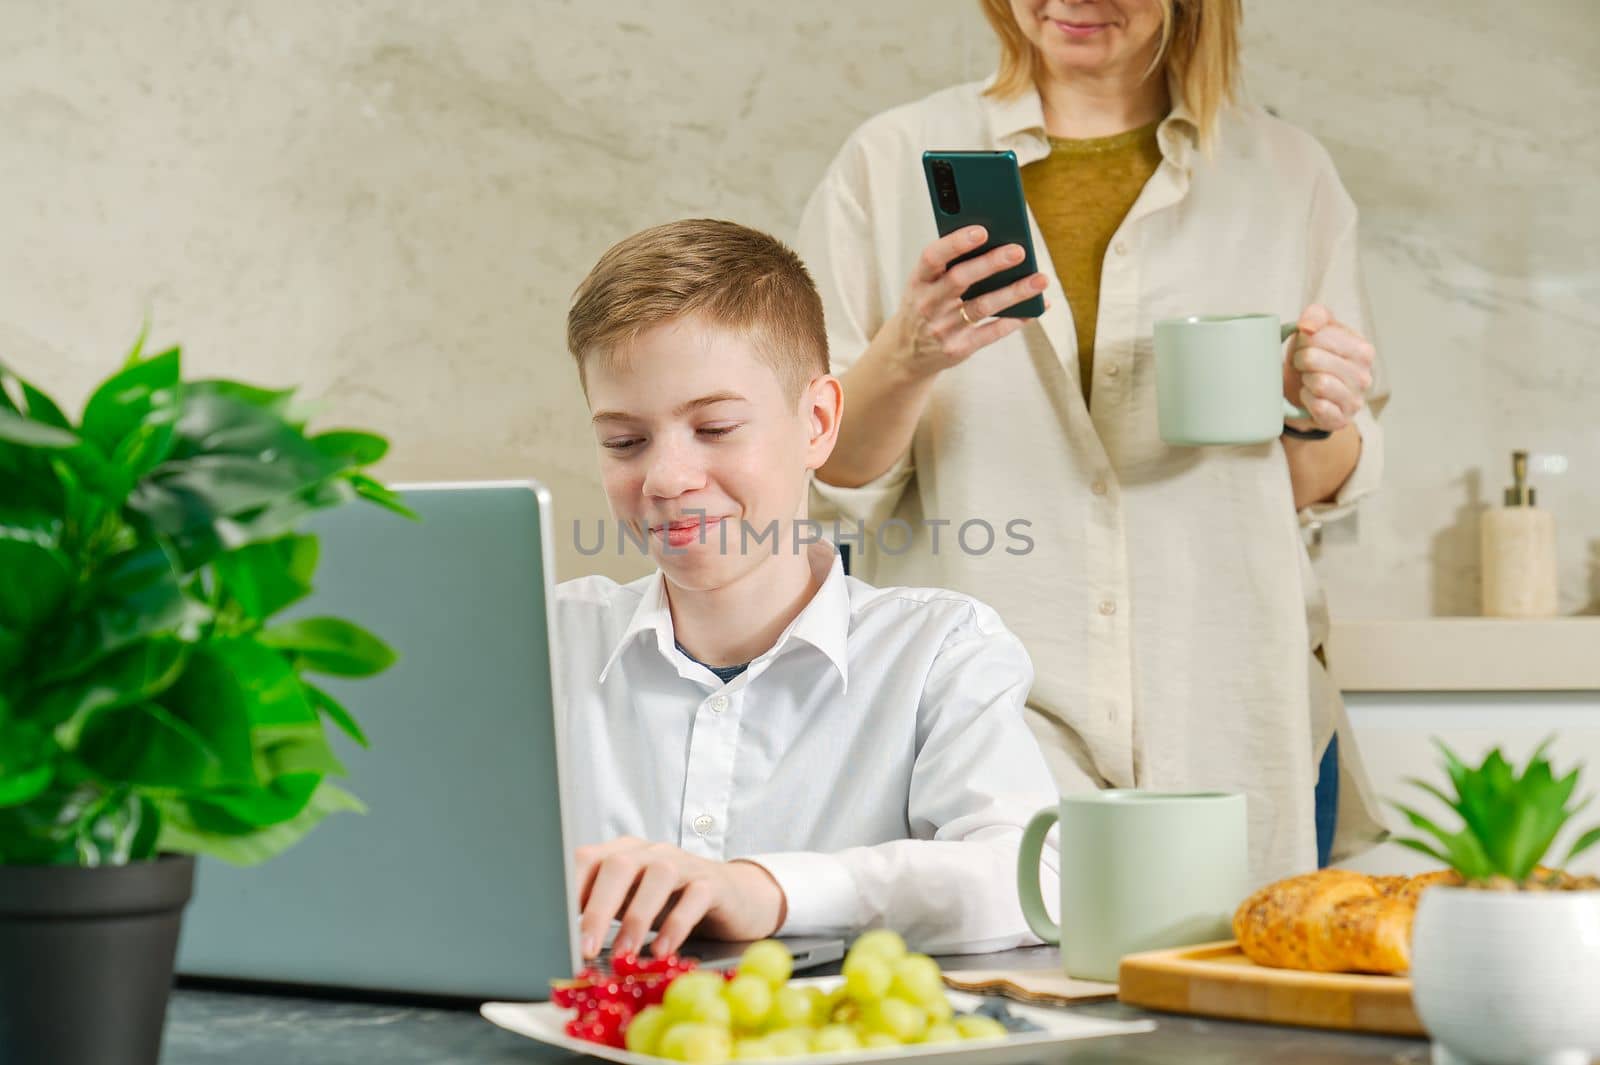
605	1004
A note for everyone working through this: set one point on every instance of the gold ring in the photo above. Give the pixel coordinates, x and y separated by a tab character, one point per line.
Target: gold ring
963	309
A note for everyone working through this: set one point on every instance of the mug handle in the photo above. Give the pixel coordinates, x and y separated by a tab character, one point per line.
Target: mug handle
1285	331
1029	854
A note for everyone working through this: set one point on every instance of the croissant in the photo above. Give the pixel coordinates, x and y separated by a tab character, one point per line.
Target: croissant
1334	920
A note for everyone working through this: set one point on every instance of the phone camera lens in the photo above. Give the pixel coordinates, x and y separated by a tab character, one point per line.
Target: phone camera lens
944	184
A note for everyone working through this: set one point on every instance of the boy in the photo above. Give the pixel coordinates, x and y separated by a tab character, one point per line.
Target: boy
759	744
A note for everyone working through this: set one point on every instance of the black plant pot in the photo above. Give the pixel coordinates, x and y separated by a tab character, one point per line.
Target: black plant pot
86	960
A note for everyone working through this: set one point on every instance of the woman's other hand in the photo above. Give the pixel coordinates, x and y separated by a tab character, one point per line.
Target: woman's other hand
1328	370
929	331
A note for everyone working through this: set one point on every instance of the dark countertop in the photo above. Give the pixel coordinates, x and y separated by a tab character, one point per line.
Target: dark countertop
231	1028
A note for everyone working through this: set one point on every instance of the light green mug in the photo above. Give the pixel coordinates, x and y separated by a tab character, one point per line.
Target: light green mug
1140	870
1219	379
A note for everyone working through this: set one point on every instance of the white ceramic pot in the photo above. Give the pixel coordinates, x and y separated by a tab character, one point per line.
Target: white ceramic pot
1508	978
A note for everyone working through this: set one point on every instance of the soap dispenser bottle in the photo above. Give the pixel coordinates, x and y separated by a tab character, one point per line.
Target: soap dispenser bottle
1519	552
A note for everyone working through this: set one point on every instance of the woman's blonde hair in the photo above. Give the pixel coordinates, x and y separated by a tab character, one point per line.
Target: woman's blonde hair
1199	49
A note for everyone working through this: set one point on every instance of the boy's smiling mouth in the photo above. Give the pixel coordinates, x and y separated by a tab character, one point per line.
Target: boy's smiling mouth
681	532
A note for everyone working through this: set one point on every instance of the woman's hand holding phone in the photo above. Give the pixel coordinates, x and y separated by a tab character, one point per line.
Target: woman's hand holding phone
934	327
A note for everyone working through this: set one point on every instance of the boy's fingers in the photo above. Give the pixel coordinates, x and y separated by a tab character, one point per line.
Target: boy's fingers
611	886
685	916
589	857
650	897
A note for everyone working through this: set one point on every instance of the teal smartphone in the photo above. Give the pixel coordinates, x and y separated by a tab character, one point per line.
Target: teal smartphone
985	189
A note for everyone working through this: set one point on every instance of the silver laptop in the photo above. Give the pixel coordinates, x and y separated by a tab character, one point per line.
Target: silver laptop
457	882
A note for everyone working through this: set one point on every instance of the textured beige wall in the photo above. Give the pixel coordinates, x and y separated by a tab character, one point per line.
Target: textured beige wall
389	204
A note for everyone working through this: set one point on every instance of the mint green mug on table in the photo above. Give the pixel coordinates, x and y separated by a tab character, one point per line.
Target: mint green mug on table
1140	870
1219	379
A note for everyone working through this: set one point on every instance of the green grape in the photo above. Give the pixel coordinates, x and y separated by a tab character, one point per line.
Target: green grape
749	999
879	1041
938	1011
643	1033
835	1039
754	1049
884	942
867	976
917	979
688	989
698	1044
769	960
713	1010
973	1026
823	1003
900	1019
941	1033
790	1042
791	1007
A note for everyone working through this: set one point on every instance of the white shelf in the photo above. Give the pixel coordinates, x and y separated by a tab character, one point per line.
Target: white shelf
1466	654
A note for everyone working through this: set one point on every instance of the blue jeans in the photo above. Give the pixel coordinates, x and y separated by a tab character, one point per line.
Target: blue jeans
1327	801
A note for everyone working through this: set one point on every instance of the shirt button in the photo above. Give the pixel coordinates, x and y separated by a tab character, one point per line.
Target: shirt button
1113	370
1120	248
719	704
703	824
1098	488
1107	607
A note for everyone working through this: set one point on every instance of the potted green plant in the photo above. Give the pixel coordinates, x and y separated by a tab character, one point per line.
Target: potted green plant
1507	968
152	707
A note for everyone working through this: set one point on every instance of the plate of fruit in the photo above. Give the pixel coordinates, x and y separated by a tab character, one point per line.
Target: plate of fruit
887	1003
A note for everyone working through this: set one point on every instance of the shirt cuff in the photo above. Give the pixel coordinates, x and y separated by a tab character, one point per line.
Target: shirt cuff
1363	480
819	892
872	503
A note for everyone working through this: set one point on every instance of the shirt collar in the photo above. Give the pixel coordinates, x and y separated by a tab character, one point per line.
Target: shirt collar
653	614
1018	124
824	623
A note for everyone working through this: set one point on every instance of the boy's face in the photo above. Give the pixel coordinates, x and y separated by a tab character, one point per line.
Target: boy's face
701	446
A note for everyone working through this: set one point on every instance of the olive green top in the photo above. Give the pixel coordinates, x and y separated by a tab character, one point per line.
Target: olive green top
1080	194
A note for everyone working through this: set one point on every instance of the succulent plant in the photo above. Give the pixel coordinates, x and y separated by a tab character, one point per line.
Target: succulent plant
1509	821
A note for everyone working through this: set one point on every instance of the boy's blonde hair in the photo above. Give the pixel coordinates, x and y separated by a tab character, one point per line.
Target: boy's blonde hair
1199	49
729	275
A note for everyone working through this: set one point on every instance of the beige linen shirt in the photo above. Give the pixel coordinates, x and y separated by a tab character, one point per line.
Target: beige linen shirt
1164	593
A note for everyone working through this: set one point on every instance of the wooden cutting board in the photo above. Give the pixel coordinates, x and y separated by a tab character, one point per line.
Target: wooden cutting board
1217	980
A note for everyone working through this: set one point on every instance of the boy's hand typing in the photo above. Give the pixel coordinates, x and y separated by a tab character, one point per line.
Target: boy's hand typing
655	885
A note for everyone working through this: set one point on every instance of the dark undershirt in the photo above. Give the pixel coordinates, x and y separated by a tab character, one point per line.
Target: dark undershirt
724	673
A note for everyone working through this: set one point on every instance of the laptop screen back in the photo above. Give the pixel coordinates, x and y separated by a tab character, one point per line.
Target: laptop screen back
455	881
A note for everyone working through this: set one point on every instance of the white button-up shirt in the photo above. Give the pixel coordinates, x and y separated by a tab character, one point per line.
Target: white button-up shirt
1167	601
875	760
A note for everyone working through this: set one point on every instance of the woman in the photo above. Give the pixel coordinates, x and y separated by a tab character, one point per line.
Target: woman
1165	595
